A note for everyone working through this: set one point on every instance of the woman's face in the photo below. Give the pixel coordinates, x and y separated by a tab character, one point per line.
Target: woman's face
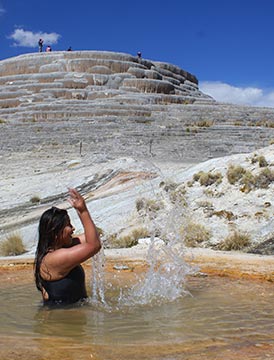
66	234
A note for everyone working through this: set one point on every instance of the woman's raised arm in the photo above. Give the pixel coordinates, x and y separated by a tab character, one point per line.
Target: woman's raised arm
64	259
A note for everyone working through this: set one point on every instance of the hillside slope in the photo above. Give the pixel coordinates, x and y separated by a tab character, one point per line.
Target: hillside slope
116	127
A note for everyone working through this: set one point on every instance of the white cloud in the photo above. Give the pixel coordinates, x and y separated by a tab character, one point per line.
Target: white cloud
27	38
238	95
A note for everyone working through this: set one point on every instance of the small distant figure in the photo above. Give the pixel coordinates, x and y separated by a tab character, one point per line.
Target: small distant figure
139	54
69	49
48	48
40	44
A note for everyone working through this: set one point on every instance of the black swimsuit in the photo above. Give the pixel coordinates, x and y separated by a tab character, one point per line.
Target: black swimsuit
67	290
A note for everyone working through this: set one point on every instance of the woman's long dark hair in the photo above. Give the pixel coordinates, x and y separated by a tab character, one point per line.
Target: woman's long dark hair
51	224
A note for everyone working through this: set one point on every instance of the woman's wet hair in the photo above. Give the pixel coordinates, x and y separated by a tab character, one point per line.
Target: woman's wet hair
51	225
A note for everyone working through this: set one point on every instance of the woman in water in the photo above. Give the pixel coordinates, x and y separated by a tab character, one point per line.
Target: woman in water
58	273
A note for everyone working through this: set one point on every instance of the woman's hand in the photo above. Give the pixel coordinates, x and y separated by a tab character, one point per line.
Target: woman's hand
76	200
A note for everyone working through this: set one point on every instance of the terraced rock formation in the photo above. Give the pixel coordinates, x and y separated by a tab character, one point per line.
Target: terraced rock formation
112	104
29	81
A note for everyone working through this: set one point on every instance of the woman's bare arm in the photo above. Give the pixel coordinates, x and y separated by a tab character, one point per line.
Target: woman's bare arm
61	261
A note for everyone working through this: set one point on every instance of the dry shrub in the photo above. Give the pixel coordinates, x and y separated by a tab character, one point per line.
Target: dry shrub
190	183
261	215
260	181
35	199
213	193
122	242
261	160
175	191
254	159
196	177
248	181
12	246
262	123
100	231
139	233
205	204
194	234
112	241
265	123
265	178
148	207
228	215
168	185
126	241
207	179
235	241
235	173
204	123
178	196
210	178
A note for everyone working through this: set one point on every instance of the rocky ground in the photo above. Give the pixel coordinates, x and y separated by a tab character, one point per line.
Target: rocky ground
112	190
123	130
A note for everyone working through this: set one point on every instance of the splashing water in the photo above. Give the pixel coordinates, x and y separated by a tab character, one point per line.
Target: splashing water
165	278
97	278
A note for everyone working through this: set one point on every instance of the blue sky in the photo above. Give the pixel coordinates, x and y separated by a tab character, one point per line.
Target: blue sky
227	44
